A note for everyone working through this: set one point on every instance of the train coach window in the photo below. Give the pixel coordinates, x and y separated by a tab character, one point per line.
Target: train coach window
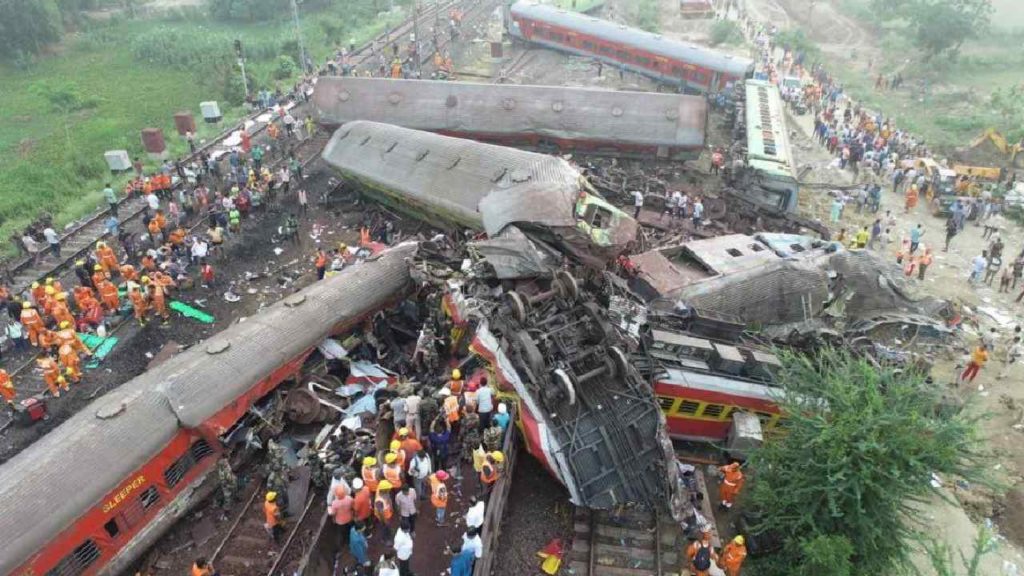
622	55
713	411
598	217
78	561
699	77
666	402
588	45
201	449
112	529
605	50
135	510
689	407
175	472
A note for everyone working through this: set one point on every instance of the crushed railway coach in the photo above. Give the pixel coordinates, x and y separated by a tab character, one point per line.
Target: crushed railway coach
690	67
481	186
92	495
586	120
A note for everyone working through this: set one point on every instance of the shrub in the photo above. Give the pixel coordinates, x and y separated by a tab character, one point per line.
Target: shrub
725	32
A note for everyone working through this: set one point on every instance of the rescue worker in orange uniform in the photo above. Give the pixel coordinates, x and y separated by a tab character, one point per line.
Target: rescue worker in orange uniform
32	322
382	507
82	293
201	567
67	335
455	384
47	340
364	236
139	304
107	258
129	273
370	473
392	471
732	483
408	442
320	263
51	375
99	275
733	555
108	295
57	286
60	311
362	502
71	362
272	517
438	495
7	387
38	291
158	298
701	555
490	472
400	453
47	302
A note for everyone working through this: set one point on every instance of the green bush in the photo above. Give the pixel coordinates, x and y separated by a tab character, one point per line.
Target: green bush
647	17
285	68
725	32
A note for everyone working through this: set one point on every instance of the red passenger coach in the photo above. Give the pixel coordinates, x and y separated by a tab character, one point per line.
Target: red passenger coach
92	495
692	68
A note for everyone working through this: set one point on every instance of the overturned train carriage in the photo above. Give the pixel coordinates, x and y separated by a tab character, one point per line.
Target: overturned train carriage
638	124
480	186
89	497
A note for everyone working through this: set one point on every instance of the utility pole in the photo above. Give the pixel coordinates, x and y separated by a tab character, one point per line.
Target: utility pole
241	64
416	37
298	34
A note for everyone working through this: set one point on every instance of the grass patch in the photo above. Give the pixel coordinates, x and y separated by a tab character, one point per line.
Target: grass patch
131	86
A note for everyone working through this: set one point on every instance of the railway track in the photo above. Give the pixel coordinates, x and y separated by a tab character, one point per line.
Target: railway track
636	543
76	241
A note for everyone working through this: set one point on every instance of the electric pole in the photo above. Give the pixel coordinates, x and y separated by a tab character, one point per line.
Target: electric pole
298	34
241	64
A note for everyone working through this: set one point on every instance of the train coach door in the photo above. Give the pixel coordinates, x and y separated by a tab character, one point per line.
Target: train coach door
573	39
662	66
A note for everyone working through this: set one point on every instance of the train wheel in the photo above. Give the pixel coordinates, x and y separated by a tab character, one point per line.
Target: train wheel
563	381
619	361
517	304
569	284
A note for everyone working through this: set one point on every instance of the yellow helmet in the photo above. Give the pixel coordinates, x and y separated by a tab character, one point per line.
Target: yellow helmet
403	432
49	281
50	291
739	540
35	284
144	279
456	374
61	296
342	246
65	324
70	371
26	305
384	485
395	444
271	496
97	268
390	458
79	262
101	244
497	456
369	461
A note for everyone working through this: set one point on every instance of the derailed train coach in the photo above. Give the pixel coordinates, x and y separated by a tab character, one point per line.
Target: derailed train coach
92	495
488	188
584	120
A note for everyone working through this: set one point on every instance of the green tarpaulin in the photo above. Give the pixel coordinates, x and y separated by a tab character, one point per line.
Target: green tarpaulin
190	312
100	347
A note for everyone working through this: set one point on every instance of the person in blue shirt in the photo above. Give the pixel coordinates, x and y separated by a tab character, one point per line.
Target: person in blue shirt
358	548
502	417
462	563
915	238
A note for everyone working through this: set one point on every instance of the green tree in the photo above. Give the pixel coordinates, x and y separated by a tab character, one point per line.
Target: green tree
942	558
725	32
27	26
859	447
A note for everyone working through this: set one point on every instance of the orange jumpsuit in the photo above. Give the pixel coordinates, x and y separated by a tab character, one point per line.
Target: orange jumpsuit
61	313
6	387
82	293
46	304
47	339
128	271
33	324
731	484
69	337
88	301
38	292
51	375
108	293
154	229
158	297
99	276
139	304
160	220
71	362
733	556
108	259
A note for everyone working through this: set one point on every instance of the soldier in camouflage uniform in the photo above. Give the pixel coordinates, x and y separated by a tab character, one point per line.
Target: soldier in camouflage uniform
494	437
429	409
228	482
275	457
277	481
470	434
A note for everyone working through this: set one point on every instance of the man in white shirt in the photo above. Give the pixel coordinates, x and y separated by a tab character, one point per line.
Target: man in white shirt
471	541
53	240
412	416
638	203
420	468
475	515
485	404
403	549
152	203
698	212
199	250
